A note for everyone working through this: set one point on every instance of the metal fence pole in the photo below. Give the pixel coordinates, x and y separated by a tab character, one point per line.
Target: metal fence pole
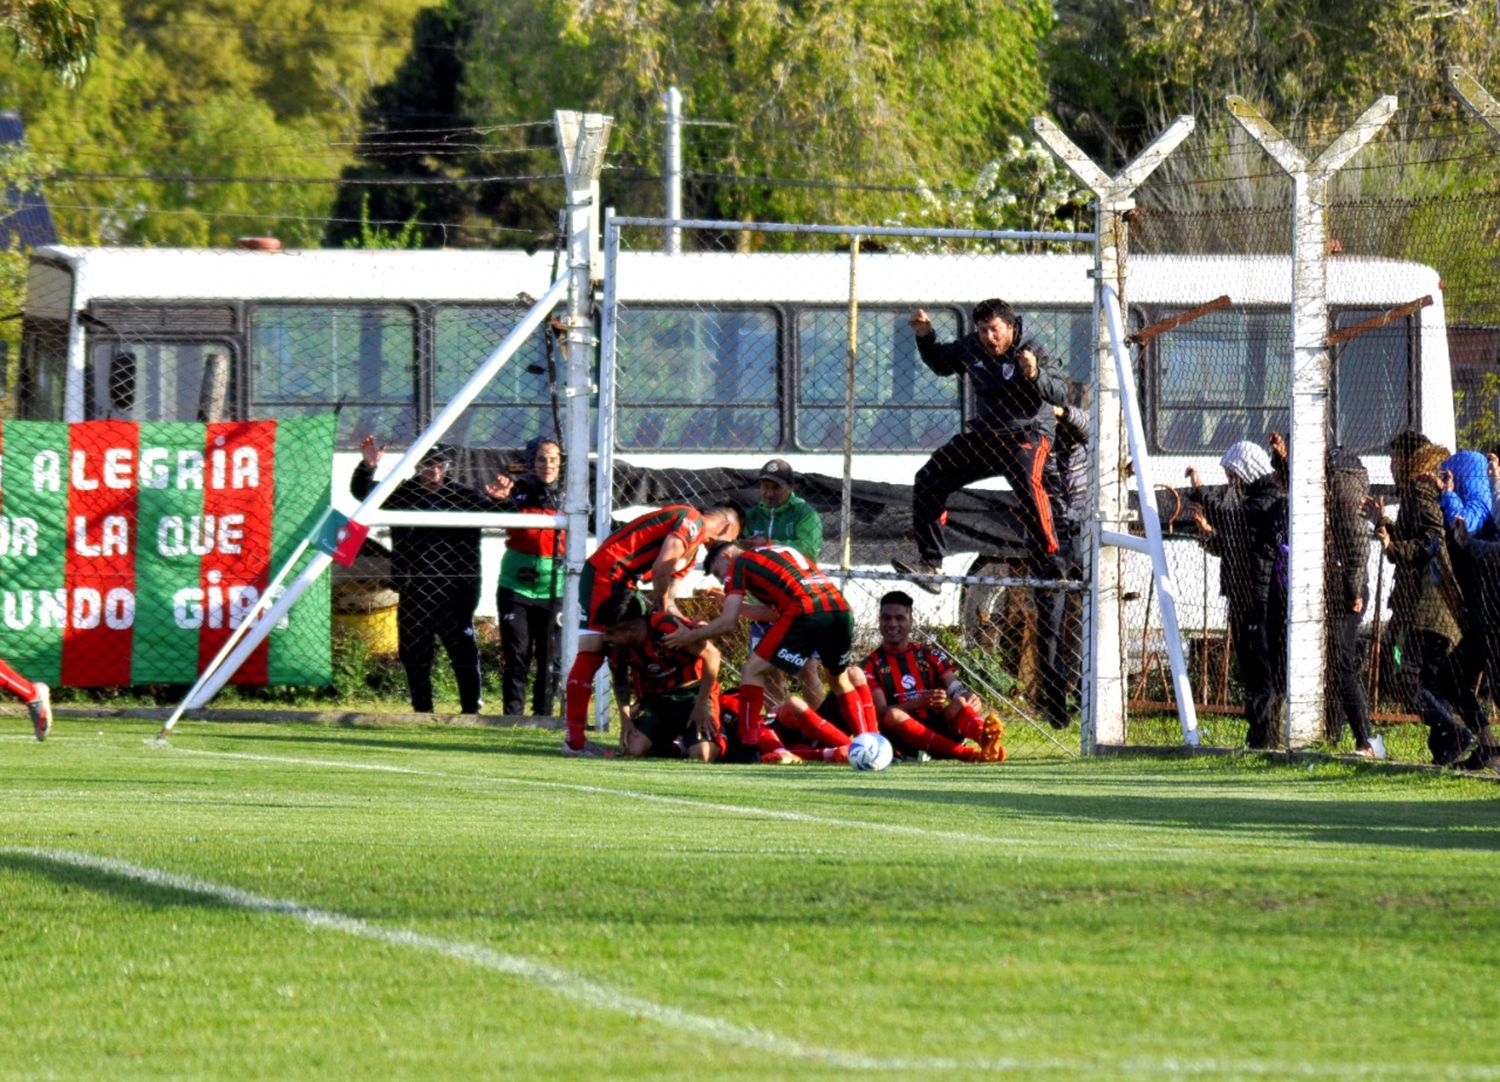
1104	685
846	493
1311	383
582	139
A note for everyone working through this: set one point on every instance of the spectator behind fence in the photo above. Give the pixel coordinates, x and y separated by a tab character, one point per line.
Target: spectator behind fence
1015	385
529	593
435	570
1425	603
784	518
1072	498
1346	596
1467	499
659	548
1239	526
1280	550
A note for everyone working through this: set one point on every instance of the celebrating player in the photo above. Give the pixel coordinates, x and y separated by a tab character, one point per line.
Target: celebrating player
658	547
921	703
668	696
37	697
808	615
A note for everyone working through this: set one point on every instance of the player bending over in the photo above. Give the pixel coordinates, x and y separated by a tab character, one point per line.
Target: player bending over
809	615
658	547
922	704
668	696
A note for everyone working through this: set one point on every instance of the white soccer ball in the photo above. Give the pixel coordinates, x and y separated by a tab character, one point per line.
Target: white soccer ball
870	751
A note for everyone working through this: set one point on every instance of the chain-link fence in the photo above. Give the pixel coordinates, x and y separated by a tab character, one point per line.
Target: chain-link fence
815	384
752	346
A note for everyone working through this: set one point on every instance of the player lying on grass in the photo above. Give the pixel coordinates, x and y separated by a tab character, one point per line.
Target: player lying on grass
768	746
36	696
809	615
808	734
668	696
921	703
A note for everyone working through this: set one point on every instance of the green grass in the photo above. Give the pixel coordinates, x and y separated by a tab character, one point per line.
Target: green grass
431	903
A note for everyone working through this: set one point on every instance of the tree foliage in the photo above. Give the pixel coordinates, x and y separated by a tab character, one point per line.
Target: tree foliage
1120	70
56	34
854	95
262	94
1025	189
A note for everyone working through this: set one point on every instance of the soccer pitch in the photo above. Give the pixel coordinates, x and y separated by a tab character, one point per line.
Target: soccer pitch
291	901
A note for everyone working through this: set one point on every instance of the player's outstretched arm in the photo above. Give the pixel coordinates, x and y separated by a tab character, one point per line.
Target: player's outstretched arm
726	621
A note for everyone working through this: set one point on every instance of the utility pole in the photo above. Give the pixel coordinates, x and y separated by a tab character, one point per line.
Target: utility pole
672	170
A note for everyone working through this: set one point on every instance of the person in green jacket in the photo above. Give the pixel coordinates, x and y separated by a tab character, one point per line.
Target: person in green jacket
531	584
784	518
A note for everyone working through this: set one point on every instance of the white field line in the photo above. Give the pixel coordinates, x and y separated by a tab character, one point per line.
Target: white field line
594	995
1240	846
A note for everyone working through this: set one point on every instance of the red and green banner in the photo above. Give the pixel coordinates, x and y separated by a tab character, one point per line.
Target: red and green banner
130	552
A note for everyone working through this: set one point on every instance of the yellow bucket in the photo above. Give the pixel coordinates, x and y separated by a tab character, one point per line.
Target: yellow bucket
366	610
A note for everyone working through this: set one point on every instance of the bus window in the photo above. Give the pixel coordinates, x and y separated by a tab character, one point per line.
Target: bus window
702	380
1374	382
1069	335
515	405
315	358
1220	379
43	378
146	380
900	404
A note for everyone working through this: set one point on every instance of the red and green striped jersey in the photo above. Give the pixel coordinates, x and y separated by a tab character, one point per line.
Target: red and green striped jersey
784	579
627	554
902	674
654	668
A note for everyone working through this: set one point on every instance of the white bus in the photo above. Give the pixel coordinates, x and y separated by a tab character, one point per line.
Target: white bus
724	360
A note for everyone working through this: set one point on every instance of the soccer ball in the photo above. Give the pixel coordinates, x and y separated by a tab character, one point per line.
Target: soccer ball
870	751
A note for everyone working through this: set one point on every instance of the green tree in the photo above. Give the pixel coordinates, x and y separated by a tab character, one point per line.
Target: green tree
1023	189
209	119
801	109
1120	70
58	35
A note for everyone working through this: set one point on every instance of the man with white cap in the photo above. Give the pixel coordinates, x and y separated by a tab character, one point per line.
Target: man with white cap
1239	525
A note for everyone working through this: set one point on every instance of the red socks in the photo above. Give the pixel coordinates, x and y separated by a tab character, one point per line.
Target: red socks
16	684
813	752
577	695
970	724
919	736
811	725
858	708
752	704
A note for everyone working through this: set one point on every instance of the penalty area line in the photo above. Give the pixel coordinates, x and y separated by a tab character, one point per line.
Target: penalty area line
1028	846
592	994
559	981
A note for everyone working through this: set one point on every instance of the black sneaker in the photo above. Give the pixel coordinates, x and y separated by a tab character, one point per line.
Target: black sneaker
1456	748
918	571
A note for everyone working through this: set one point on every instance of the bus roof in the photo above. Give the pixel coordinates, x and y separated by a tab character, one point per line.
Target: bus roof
192	274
